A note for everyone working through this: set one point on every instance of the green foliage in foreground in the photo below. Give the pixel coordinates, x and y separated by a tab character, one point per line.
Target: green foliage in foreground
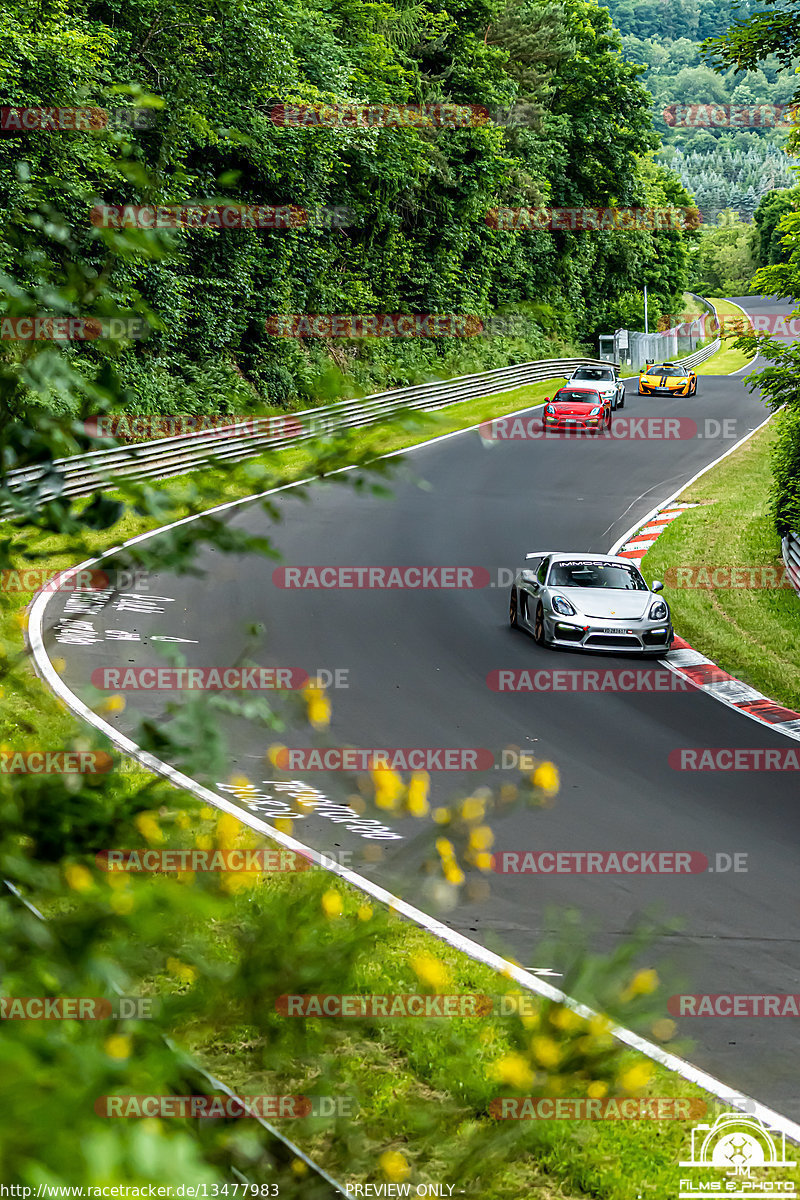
417	198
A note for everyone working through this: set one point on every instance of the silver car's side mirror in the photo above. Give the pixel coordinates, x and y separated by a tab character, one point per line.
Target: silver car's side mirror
657	586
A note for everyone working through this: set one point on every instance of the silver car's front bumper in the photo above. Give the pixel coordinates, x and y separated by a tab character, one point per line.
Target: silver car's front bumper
631	637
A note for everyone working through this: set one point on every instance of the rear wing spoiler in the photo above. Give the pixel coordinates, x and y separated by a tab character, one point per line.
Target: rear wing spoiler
538	553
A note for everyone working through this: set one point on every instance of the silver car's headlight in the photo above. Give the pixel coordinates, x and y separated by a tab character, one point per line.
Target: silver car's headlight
658	611
562	605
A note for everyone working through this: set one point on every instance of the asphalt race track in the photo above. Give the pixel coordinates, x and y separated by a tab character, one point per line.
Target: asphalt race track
417	663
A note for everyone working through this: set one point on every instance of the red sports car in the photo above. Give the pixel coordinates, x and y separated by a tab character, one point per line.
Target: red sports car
577	407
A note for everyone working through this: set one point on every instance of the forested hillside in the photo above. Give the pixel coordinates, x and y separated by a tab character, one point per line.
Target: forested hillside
418	241
723	168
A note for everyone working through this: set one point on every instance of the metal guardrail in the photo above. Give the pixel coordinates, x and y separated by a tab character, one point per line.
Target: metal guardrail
699	356
790	549
82	474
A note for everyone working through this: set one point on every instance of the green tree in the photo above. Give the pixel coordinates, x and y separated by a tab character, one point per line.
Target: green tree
768	217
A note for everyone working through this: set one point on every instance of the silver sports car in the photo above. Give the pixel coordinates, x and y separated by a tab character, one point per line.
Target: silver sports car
591	601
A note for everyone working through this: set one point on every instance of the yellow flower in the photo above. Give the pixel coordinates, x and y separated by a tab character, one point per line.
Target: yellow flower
473	808
78	878
453	874
514	1070
644	983
484	861
388	787
148	827
332	904
547	778
442	816
445	848
599	1025
481	838
430	970
181	970
206	812
636	1077
299	1168
664	1029
121	903
228	830
241	782
417	797
394	1166
317	704
546	1051
273	756
22	621
183	820
113	704
566	1019
238	881
284	824
597	1089
117	1046
203	841
365	912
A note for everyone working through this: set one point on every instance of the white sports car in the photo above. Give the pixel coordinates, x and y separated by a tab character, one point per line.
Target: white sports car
590	601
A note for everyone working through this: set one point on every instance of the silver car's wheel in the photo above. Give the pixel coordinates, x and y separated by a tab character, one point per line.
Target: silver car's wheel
539	635
513	610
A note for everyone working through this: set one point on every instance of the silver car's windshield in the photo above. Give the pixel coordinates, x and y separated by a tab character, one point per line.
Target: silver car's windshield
579	573
594	374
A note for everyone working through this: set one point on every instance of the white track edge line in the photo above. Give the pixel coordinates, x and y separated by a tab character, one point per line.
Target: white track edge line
458	941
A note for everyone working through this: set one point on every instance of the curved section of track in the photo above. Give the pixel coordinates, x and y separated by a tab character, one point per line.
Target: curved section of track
417	664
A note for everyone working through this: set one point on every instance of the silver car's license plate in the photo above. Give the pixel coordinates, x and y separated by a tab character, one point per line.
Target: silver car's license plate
609	629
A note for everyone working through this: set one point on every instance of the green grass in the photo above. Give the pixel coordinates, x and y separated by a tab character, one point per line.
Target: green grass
403	1067
727	359
754	633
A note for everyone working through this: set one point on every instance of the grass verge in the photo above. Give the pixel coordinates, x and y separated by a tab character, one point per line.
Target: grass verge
752	631
727	359
400	1066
